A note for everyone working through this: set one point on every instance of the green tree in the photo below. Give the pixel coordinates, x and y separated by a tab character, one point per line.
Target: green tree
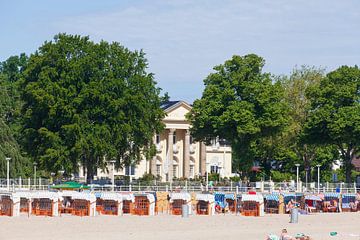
334	116
296	85
87	103
241	104
10	105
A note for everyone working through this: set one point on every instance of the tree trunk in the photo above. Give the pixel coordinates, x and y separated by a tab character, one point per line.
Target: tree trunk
89	171
348	165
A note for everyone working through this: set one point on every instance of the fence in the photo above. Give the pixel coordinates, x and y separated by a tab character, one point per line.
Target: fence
191	186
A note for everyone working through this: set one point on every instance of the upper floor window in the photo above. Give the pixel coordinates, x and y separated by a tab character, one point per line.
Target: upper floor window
128	169
157	138
174	138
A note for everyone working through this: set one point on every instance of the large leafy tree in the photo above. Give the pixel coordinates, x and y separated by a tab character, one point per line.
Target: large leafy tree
334	117
309	155
86	103
10	105
241	104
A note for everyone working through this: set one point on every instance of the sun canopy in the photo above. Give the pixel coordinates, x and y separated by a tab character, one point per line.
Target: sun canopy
205	197
54	196
313	198
251	197
70	186
180	196
111	196
332	195
13	196
349	195
272	197
84	196
128	197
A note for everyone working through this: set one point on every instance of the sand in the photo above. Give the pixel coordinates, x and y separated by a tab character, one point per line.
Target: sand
164	226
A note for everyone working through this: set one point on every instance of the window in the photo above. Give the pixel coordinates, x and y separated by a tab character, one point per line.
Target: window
192	171
158	169
174	138
174	171
191	140
127	170
157	138
214	169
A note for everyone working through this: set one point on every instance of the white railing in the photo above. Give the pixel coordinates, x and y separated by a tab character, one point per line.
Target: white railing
158	148
193	186
175	148
192	149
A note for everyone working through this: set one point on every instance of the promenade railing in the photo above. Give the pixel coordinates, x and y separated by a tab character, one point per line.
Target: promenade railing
191	186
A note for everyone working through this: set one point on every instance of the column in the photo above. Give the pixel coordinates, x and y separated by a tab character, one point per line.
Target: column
153	166
202	158
187	154
170	154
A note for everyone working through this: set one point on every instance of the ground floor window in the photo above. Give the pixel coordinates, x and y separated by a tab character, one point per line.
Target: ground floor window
158	170
214	169
175	171
192	172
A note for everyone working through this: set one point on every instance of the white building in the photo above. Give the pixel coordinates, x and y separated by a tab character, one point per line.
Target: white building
178	156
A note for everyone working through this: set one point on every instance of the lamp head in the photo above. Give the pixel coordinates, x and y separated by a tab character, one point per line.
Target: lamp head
297	165
8	159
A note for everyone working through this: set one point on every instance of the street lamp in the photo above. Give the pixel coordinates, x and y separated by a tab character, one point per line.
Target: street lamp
318	166
207	176
297	176
113	176
35	164
306	177
8	173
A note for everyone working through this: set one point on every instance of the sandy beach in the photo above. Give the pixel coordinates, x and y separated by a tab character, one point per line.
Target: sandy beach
164	226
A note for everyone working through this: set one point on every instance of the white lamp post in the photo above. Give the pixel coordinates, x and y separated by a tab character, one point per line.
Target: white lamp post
35	164
207	176
113	175
318	166
297	176
8	173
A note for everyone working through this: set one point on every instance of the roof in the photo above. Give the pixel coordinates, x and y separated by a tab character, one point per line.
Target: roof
173	104
168	104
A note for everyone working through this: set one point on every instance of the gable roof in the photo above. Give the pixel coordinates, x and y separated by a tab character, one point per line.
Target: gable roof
173	104
168	104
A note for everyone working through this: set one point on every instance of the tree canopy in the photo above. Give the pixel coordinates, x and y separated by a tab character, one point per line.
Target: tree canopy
10	106
334	117
87	103
241	104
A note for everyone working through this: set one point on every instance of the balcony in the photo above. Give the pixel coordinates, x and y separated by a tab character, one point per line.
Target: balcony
192	149
175	149
158	148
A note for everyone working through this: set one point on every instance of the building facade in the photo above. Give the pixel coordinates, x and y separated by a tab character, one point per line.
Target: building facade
177	155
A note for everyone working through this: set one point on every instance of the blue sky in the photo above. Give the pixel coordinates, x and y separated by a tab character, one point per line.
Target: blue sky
185	39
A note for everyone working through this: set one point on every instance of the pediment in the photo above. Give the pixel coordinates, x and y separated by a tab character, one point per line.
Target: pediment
177	112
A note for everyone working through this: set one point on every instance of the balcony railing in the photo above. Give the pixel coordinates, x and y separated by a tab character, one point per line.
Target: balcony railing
158	148
175	148
192	149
